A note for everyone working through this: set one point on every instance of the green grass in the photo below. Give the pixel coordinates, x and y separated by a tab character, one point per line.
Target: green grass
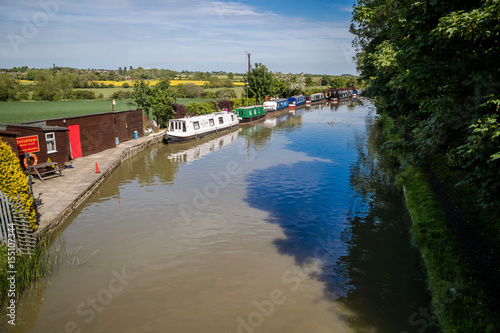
18	112
106	92
460	303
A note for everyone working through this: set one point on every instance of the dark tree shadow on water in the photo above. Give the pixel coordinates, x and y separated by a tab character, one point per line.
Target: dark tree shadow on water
351	218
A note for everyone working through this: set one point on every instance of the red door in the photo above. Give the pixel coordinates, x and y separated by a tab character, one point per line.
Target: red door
74	141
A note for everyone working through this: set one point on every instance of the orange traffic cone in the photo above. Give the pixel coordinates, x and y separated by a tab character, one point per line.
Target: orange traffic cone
97	168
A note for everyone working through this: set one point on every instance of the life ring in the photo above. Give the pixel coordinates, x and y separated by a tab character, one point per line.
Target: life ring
35	160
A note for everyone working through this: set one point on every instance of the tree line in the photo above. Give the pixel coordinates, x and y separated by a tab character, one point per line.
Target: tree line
433	67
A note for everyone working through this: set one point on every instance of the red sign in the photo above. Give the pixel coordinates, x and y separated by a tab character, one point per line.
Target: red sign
28	144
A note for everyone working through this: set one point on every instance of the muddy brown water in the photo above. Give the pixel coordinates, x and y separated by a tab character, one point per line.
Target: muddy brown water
288	225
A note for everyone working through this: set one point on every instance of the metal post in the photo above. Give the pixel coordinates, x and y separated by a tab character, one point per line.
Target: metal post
27	156
246	84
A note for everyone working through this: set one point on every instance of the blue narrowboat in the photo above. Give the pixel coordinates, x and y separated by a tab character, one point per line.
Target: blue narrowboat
296	101
275	104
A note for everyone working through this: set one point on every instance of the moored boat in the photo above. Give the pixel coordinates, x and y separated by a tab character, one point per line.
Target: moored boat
337	94
314	98
196	127
275	104
250	113
295	101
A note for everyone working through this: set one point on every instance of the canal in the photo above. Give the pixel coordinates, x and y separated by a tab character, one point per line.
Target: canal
289	225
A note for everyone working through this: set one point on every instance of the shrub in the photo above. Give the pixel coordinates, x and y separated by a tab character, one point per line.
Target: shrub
82	94
226	104
242	102
13	181
225	93
121	94
201	108
126	85
180	110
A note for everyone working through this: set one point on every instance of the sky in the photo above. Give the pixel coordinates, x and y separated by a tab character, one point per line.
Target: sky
197	35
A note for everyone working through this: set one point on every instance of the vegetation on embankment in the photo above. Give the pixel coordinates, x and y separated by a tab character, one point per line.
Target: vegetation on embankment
460	302
462	296
431	67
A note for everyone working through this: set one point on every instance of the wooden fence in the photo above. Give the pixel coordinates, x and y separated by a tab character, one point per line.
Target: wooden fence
14	226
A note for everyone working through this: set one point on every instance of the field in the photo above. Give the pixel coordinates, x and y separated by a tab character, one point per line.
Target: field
152	82
19	112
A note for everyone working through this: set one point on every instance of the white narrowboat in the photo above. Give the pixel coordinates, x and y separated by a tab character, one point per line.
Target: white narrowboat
275	104
196	127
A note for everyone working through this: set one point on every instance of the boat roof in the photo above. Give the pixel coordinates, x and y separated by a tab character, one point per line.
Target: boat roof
214	114
249	107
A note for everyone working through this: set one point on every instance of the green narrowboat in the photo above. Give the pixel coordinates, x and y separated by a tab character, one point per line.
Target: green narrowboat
250	113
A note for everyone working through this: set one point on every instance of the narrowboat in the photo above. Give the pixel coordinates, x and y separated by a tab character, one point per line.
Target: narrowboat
296	101
275	104
250	113
314	98
196	127
337	94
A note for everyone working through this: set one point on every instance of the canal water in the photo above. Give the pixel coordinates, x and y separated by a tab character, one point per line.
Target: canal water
289	225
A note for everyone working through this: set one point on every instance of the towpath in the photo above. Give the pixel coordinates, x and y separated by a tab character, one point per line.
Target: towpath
62	195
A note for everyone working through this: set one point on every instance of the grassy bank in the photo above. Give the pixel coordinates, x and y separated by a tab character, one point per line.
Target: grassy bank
460	303
29	268
460	300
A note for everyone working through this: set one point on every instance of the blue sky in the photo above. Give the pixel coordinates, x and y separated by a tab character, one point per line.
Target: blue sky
198	35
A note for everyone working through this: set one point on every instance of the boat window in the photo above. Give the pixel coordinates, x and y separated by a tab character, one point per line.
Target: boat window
221	120
232	117
211	122
171	126
196	125
184	127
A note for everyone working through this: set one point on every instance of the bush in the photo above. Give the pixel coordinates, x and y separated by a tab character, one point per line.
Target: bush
126	85
225	93
226	104
121	94
82	94
242	102
201	108
13	181
180	111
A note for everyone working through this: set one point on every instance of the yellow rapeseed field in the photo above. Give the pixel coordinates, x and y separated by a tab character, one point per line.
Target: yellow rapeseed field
151	82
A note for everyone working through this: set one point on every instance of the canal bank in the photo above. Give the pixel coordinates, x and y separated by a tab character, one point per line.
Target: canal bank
62	195
450	230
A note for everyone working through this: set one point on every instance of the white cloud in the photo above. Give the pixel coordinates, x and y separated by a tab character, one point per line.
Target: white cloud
196	35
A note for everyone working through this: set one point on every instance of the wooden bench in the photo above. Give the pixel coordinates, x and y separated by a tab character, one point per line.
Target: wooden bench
43	169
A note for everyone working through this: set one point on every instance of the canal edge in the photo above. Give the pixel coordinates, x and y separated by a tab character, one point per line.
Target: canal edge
57	221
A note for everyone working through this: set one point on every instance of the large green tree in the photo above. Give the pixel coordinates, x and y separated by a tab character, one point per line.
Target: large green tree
162	99
9	88
433	66
259	82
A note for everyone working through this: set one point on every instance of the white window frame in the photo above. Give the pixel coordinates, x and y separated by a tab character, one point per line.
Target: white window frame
53	139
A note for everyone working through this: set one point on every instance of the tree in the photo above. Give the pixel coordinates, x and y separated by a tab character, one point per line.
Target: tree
140	96
230	76
431	67
47	87
291	84
161	101
9	88
325	80
260	82
309	80
337	83
65	85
